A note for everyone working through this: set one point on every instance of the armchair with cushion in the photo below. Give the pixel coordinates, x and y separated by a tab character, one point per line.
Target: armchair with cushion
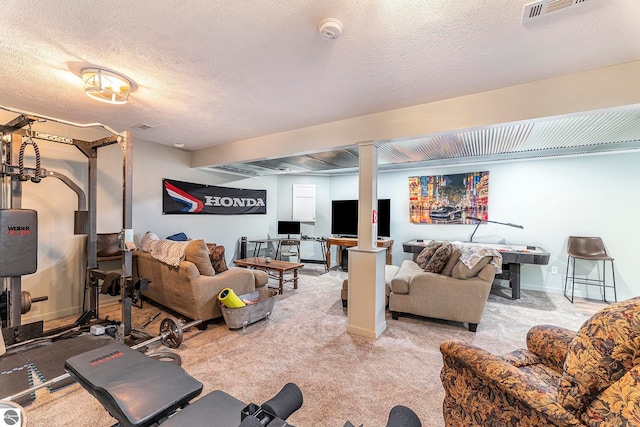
438	284
563	378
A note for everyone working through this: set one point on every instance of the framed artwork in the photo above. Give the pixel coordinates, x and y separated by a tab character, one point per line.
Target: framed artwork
449	199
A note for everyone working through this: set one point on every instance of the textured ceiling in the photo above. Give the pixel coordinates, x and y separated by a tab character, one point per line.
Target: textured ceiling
214	72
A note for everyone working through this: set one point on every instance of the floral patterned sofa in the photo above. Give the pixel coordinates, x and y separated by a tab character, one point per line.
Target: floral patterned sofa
563	378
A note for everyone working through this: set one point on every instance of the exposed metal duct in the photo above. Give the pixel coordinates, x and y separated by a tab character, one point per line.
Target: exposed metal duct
609	131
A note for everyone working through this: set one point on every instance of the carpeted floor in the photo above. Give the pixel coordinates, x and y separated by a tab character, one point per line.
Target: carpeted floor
342	377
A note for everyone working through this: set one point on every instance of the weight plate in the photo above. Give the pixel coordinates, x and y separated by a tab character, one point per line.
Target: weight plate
25	305
167	356
171	332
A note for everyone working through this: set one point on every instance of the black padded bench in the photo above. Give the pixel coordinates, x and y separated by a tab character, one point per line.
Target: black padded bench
136	389
215	409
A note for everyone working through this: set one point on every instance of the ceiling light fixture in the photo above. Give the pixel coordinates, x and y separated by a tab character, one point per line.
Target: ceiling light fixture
106	85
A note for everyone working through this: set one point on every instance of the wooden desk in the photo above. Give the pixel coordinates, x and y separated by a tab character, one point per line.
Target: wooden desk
323	249
351	241
257	244
280	267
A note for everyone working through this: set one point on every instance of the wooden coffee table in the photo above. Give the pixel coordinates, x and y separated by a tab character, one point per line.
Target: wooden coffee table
275	269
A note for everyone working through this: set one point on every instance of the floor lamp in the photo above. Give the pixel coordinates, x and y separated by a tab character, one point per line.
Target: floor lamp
481	221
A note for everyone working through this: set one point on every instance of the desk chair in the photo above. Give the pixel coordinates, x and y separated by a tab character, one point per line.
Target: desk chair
289	248
591	249
108	247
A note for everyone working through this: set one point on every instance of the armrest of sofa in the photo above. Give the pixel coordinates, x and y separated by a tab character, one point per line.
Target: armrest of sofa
488	273
399	284
550	344
495	389
261	278
188	270
237	278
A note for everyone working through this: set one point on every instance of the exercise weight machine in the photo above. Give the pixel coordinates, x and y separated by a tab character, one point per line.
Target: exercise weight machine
18	241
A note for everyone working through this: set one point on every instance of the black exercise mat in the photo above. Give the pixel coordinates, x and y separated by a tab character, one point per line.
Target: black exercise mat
43	360
15	376
49	358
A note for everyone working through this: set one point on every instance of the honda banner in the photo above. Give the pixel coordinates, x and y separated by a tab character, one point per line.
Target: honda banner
188	198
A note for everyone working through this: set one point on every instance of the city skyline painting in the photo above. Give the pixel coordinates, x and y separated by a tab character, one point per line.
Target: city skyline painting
449	199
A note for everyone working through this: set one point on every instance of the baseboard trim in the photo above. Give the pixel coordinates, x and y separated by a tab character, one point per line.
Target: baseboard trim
313	261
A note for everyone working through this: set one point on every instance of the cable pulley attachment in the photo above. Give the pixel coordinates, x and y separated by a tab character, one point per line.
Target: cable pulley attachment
29	141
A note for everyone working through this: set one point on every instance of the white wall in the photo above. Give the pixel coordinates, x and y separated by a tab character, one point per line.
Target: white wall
152	163
60	264
322	225
552	199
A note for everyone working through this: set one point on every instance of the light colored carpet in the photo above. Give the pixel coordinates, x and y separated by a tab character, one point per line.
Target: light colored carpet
342	377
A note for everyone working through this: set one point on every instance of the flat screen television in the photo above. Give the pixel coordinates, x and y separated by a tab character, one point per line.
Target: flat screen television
288	227
344	217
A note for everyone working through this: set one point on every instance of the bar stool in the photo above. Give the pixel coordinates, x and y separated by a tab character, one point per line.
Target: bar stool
591	249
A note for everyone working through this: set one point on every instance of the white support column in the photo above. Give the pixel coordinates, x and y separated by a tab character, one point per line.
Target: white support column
366	307
365	312
368	194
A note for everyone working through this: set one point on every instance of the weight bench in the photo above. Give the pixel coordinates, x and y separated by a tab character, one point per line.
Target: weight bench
140	391
136	389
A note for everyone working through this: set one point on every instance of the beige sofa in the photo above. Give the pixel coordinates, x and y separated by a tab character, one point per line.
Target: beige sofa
185	290
458	294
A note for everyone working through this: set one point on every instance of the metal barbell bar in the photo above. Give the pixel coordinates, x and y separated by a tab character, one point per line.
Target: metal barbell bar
171	334
25	302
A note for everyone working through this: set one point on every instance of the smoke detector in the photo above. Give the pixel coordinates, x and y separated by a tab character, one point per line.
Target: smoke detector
330	28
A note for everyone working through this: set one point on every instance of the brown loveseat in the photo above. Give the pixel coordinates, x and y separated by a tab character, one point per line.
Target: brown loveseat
186	290
563	378
452	291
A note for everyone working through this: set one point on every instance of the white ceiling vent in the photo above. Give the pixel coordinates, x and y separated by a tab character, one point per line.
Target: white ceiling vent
541	8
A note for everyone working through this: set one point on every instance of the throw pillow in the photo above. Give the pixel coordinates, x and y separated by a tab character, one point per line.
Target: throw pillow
197	253
439	259
425	255
148	240
461	271
453	260
216	254
178	237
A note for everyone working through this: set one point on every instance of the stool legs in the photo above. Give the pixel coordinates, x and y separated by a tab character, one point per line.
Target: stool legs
586	281
566	278
613	276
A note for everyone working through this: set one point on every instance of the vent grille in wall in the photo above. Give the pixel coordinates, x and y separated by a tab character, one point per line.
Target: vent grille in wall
542	8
